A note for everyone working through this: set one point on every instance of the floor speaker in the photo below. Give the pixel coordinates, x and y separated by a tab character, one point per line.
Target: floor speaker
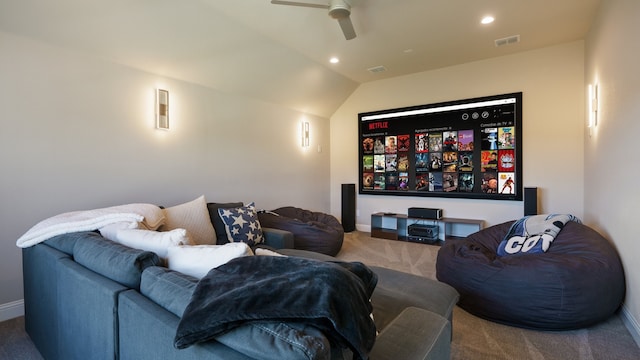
349	207
530	201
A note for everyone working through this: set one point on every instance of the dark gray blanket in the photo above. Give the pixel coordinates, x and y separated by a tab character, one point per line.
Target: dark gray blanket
332	296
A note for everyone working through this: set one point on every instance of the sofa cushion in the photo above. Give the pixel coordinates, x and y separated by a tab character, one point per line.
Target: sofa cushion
414	334
168	288
112	260
194	217
86	311
64	242
199	259
242	224
216	221
275	340
398	290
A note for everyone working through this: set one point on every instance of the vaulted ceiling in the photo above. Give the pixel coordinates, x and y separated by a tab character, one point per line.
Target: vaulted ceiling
281	53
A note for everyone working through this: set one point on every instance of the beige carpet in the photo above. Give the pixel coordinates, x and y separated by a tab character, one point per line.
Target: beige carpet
475	338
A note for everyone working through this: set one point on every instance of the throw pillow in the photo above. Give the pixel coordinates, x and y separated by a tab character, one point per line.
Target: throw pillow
155	241
194	217
199	259
242	224
115	261
110	231
218	224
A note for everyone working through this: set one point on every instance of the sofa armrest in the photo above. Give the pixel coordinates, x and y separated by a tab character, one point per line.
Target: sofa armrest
416	334
277	239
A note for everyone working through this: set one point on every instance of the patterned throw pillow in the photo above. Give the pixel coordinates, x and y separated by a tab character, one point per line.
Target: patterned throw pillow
242	224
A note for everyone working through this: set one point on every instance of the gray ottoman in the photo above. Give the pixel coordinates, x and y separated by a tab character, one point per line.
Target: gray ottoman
396	291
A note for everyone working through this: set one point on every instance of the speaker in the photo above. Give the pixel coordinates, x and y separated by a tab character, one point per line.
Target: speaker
424	213
349	207
530	201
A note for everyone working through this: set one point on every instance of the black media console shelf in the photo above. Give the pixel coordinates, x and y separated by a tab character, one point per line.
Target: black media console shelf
395	227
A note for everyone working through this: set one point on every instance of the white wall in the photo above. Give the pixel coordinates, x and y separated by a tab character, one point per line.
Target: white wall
551	80
611	167
78	133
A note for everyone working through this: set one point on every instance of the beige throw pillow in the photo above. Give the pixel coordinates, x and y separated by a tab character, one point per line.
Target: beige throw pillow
194	217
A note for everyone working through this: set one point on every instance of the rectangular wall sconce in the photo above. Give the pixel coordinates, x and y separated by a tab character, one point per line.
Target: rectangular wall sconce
162	109
593	105
305	134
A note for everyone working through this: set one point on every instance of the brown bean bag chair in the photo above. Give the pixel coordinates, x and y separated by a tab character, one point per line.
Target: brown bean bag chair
312	231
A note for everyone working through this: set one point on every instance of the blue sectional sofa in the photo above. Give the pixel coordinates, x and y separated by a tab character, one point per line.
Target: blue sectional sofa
87	297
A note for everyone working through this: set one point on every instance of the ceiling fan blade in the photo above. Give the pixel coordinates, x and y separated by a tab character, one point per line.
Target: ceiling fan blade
347	28
296	3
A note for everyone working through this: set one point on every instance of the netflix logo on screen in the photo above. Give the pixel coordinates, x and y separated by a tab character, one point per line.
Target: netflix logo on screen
379	125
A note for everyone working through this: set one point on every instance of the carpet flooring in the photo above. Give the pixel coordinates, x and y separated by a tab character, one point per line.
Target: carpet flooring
15	344
478	339
473	338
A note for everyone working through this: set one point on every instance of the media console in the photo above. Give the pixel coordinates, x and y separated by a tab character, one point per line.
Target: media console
402	227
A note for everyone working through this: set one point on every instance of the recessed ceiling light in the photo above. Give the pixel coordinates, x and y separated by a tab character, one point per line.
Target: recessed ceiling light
487	20
334	60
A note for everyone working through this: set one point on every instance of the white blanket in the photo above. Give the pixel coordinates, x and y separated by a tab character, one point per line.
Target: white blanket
147	216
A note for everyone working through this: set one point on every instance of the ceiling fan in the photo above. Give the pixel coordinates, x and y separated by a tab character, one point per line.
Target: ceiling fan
338	9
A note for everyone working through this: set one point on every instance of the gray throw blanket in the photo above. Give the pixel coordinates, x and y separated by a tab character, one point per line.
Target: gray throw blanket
332	296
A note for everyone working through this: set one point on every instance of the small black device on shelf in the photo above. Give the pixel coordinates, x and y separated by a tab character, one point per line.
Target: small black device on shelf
425	213
423	231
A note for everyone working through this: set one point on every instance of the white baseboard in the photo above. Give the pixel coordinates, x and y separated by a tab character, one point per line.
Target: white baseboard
11	310
631	324
363	228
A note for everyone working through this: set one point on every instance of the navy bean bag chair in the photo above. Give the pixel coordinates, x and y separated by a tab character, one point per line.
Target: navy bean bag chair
579	281
312	231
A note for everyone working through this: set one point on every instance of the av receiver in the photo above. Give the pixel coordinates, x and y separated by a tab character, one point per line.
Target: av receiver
423	231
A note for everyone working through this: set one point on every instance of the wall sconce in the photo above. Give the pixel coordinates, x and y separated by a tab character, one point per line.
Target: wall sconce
162	109
593	105
305	134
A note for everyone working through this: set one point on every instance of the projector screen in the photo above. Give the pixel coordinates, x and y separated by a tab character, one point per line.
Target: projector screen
469	148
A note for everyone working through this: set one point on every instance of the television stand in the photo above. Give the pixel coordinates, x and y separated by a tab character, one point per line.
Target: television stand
396	227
